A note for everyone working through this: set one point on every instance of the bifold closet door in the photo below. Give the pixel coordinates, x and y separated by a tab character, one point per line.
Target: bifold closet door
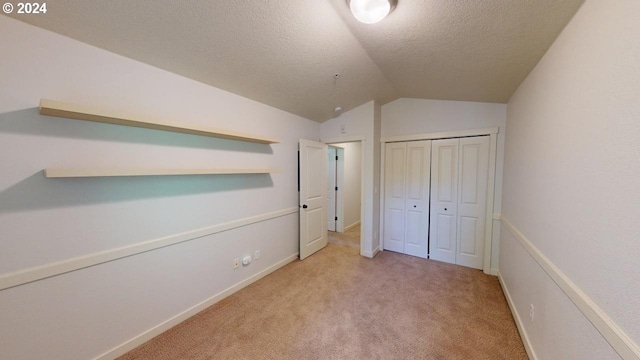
417	198
394	196
459	178
472	200
406	216
444	200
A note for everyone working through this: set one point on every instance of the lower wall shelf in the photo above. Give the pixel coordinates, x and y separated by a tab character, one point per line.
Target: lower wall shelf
75	173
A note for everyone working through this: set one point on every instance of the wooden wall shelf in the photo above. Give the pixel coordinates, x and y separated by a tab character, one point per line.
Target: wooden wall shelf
80	112
80	173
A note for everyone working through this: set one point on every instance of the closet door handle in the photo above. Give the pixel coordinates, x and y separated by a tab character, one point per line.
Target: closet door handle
304	206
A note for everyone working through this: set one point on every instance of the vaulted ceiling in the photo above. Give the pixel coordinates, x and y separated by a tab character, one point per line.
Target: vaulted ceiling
285	53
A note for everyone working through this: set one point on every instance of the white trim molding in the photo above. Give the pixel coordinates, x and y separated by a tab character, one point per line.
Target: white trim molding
168	324
491	188
344	139
28	275
441	135
519	323
347	228
495	246
380	194
615	336
370	254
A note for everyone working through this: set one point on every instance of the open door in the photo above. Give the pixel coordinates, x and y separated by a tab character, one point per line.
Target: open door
313	194
331	189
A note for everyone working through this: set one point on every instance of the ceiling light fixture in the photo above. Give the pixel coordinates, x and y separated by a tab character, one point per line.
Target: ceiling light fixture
371	11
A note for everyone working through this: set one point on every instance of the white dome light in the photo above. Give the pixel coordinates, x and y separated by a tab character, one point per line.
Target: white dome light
370	11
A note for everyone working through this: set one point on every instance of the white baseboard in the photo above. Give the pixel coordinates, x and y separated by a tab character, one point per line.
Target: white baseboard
494	272
167	324
352	225
370	254
519	324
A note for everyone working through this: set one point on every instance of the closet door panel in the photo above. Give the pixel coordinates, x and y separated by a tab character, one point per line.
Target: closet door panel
444	200
412	234
444	238
468	234
396	220
417	201
395	193
473	168
446	171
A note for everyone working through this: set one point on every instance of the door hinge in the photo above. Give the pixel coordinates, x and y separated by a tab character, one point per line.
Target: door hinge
336	188
336	218
336	157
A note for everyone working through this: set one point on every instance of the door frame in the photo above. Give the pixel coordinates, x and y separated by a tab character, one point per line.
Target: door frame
492	132
339	196
361	140
333	166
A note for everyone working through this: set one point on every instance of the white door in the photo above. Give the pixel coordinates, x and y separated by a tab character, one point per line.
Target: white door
339	219
417	198
444	191
473	168
407	167
313	195
331	192
459	178
394	196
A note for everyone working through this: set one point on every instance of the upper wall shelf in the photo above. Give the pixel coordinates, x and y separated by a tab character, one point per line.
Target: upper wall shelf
80	112
75	173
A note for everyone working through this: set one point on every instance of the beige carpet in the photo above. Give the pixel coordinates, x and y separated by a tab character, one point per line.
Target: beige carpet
339	305
350	237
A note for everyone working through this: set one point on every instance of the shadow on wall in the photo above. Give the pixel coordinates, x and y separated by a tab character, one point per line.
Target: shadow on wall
29	121
37	192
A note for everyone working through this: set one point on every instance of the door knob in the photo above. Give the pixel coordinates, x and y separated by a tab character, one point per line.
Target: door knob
304	206
445	209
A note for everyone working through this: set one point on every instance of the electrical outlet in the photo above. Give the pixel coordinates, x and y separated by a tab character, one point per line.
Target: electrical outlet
236	263
531	311
256	255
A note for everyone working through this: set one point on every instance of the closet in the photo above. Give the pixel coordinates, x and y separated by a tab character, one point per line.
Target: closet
406	215
436	199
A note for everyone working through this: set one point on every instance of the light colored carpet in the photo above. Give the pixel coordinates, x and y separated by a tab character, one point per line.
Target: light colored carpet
350	237
339	305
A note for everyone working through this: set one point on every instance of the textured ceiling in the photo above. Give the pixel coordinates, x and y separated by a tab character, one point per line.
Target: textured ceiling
285	52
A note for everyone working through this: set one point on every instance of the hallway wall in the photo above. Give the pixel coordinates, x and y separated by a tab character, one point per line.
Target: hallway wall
570	208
